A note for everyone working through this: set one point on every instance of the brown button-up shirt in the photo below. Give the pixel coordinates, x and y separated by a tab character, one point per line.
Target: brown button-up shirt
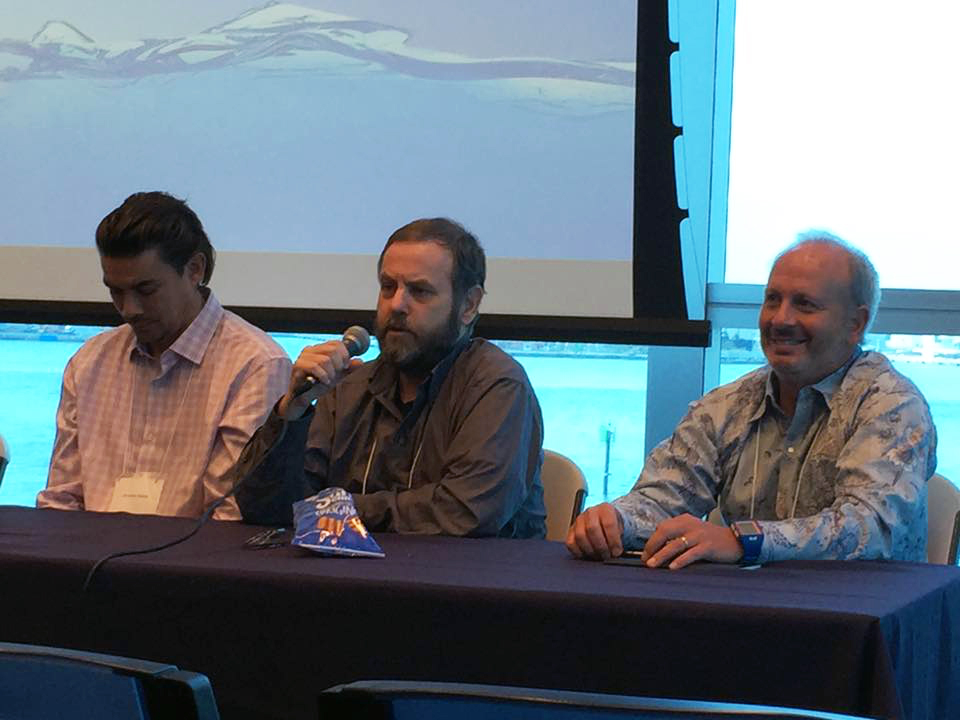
463	459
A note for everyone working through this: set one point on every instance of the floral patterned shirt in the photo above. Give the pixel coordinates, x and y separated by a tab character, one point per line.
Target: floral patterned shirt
848	480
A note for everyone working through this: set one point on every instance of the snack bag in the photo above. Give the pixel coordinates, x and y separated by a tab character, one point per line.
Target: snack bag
328	523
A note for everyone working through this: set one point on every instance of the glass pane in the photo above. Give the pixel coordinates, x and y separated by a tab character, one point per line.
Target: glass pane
932	362
593	399
832	129
32	359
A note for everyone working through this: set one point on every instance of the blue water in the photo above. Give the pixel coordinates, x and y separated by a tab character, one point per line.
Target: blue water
582	399
579	398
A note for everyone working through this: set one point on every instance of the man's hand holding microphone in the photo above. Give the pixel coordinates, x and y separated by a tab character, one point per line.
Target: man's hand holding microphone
319	368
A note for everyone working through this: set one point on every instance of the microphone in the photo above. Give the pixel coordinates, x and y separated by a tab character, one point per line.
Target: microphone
357	341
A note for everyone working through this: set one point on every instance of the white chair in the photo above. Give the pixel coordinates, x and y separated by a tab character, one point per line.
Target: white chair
4	457
943	520
564	489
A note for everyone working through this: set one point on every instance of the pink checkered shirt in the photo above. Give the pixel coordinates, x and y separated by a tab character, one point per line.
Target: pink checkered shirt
186	414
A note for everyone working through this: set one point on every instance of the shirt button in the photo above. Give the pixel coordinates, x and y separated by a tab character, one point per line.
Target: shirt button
790	450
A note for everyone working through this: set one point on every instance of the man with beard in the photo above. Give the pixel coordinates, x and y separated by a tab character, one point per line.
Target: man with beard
823	453
441	434
154	414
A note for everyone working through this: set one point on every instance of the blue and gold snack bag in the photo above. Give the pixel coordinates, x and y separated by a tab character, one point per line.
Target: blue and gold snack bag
328	523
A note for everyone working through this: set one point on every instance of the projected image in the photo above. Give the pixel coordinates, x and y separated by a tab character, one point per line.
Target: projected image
322	126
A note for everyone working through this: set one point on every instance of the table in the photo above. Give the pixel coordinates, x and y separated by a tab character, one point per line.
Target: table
271	628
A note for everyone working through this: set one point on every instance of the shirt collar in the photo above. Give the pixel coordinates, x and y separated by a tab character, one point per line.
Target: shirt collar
193	342
827	387
442	369
831	383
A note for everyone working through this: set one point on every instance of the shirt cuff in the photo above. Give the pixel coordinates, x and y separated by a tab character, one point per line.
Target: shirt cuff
631	531
766	550
275	419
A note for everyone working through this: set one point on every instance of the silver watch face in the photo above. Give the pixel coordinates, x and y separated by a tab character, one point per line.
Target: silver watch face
747	527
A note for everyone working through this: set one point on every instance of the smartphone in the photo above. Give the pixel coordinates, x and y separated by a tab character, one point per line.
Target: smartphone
271	537
628	557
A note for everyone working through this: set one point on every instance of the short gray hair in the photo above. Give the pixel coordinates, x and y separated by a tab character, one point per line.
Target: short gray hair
864	281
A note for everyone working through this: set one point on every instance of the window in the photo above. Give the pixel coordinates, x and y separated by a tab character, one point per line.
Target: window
841	120
593	399
592	396
834	112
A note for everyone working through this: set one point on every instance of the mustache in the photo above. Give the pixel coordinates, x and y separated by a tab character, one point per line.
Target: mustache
395	322
775	333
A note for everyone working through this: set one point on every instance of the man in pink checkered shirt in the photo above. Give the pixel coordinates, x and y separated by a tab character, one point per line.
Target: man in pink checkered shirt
154	414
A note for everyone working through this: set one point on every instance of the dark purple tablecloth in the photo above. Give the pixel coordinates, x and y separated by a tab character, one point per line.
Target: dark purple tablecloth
271	628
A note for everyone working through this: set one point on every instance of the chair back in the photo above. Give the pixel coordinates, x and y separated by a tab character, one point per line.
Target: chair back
943	520
4	457
406	700
44	682
564	490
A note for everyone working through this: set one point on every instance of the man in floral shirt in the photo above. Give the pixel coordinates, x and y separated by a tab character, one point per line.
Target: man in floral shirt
823	453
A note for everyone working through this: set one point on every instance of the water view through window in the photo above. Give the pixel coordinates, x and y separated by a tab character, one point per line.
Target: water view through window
593	399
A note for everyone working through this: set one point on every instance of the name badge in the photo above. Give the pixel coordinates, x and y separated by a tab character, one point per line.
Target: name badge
138	493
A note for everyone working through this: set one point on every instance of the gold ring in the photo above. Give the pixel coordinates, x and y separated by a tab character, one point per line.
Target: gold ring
683	539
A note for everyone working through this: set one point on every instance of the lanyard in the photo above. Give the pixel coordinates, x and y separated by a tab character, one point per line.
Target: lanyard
416	454
803	464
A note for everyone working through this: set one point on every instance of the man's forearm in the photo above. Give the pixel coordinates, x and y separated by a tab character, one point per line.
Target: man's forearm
267	489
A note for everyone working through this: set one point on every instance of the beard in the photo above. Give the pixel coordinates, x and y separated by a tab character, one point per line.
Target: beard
413	353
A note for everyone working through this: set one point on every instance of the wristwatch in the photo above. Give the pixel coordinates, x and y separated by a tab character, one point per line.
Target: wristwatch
750	535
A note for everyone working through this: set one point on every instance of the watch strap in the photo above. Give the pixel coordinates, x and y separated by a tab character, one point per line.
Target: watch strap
751	543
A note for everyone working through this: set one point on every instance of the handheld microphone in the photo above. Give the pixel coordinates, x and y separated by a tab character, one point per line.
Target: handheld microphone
357	341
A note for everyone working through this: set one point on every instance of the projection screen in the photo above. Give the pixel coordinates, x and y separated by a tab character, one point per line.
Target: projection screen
304	134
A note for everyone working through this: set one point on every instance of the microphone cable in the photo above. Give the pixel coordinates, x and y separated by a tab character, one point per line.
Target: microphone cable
244	474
